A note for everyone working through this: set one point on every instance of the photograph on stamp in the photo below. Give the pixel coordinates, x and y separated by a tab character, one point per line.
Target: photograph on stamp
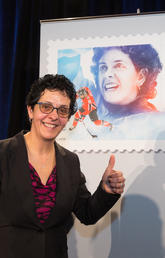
117	88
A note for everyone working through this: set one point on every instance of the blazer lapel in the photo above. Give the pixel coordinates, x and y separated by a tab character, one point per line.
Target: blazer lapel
21	177
63	189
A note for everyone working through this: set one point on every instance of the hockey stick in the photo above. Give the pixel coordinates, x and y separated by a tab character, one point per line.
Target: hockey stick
93	135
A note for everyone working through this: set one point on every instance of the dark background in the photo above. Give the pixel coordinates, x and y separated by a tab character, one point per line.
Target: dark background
20	45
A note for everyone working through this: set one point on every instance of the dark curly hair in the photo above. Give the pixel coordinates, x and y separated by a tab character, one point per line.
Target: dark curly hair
142	56
52	82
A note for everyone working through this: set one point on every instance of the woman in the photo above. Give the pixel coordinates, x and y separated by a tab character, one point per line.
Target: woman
125	77
41	182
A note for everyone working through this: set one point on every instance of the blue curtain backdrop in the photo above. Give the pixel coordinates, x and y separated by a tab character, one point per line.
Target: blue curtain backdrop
20	44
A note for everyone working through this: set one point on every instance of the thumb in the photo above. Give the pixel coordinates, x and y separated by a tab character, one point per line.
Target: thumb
111	163
109	168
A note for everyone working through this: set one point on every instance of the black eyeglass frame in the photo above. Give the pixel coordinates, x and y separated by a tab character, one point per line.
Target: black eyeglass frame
57	108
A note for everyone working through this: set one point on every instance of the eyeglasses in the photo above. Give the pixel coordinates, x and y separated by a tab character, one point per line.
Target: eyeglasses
47	108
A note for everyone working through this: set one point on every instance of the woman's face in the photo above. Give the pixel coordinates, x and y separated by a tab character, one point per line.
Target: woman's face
48	126
118	78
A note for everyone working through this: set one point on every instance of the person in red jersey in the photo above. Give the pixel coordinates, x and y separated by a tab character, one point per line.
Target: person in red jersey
88	108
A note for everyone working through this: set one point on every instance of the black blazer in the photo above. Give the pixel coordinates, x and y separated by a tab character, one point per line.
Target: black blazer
21	234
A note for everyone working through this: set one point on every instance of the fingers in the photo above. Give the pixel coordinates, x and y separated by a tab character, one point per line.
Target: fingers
116	175
117	185
117	182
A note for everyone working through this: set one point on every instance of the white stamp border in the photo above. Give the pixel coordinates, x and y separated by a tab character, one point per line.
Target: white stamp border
88	144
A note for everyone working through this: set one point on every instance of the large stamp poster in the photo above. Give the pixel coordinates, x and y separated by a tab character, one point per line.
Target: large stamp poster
119	82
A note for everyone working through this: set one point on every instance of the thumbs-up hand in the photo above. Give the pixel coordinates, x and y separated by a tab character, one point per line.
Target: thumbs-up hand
112	180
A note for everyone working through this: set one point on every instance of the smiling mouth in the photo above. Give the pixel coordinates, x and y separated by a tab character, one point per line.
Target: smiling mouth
111	86
49	125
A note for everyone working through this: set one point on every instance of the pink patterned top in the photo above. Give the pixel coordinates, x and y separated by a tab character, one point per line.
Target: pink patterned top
44	195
